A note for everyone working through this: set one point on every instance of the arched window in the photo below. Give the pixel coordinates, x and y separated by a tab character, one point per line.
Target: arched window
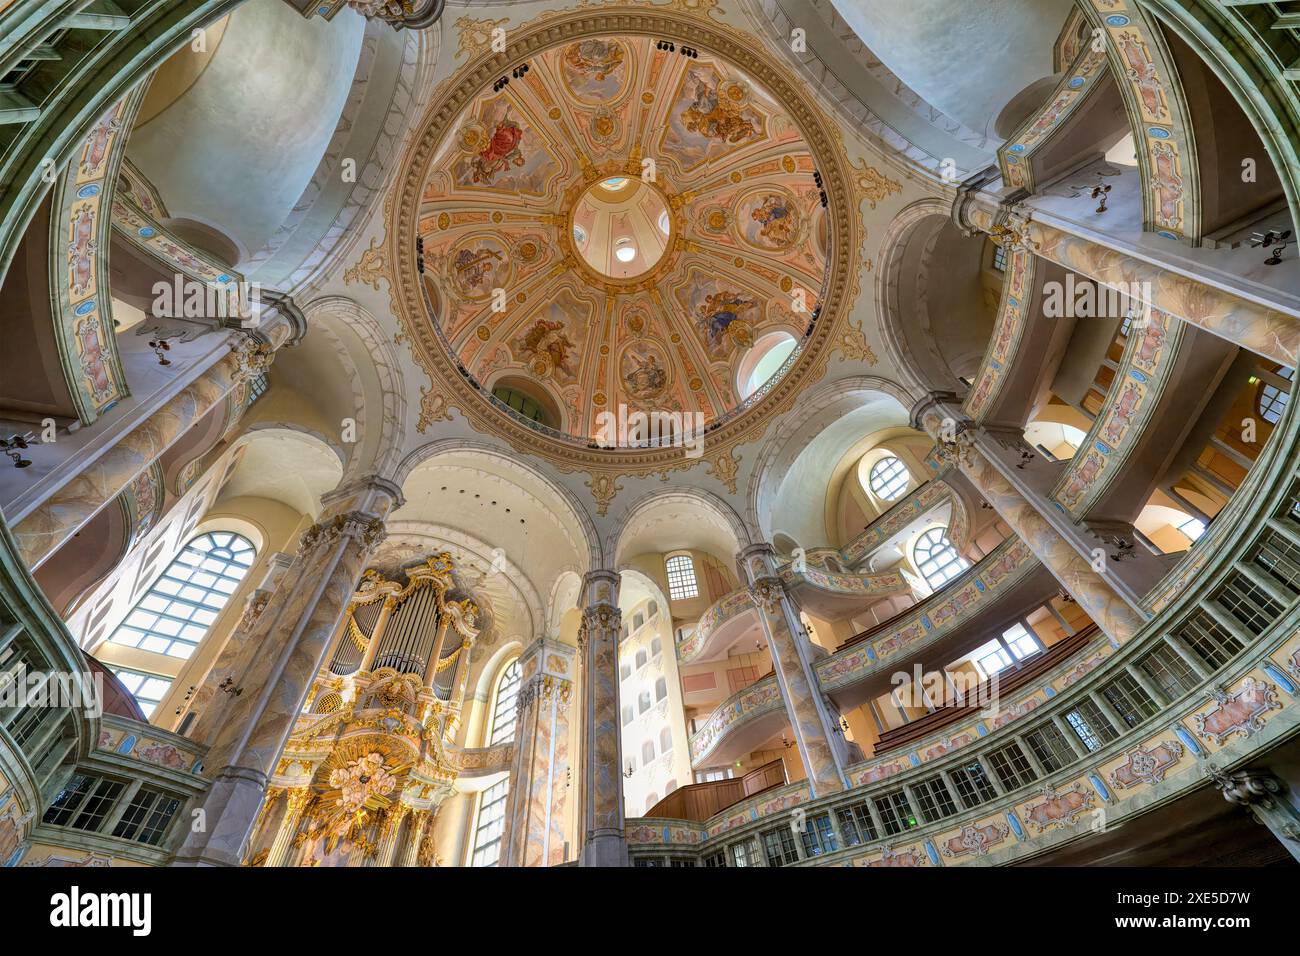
643	702
656	646
489	824
640	659
503	707
637	620
937	559
652	608
661	688
627	714
888	478
176	612
681	577
647	752
1273	400
624	671
666	745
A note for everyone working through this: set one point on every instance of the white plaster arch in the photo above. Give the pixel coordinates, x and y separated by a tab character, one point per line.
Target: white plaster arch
720	523
817	410
377	353
587	537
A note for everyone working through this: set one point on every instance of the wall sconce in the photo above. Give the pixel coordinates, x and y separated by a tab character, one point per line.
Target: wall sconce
160	347
1100	192
12	447
1278	240
228	686
786	743
629	771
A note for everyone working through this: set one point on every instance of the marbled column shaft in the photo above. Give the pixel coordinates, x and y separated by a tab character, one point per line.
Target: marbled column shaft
539	773
53	523
1088	587
605	843
823	751
296	628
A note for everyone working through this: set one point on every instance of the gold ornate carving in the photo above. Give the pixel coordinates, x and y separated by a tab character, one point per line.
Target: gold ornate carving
603	489
475	36
370	269
724	467
871	185
853	345
433	408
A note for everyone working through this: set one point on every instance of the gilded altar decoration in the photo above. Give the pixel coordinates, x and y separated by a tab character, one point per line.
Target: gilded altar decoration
373	754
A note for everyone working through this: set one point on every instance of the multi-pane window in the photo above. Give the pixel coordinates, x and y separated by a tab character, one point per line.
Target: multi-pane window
1273	400
83	802
1209	641
1170	672
818	835
1249	603
1090	725
1050	747
716	859
257	387
147	689
1193	528
888	478
778	847
1011	766
999	258
894	811
181	605
641	658
744	854
937	559
22	721
627	714
935	800
147	816
665	740
973	784
856	824
681	577
504	709
1131	702
661	688
647	752
1281	559
488	826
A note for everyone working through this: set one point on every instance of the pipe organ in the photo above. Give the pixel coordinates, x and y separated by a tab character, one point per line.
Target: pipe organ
372	756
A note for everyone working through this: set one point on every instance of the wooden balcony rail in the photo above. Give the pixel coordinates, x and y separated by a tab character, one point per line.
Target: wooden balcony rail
699	802
1008	681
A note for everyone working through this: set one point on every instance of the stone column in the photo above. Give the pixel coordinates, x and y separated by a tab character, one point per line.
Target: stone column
823	751
1089	588
604	842
415	834
1265	796
296	801
294	632
539	771
44	529
386	851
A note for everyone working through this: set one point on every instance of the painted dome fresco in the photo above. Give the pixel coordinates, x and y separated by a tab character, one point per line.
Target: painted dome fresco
622	224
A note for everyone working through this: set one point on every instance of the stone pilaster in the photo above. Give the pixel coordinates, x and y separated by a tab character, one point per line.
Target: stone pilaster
293	635
824	751
539	773
1090	588
296	801
1265	796
602	765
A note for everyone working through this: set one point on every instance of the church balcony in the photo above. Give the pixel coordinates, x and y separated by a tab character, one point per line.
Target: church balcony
740	724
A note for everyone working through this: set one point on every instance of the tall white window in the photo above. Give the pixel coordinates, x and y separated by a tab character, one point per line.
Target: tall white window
888	478
937	559
147	689
1273	400
488	826
178	609
503	708
681	577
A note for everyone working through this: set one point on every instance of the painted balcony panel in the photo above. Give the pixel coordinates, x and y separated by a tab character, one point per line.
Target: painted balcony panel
744	720
970	597
725	622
